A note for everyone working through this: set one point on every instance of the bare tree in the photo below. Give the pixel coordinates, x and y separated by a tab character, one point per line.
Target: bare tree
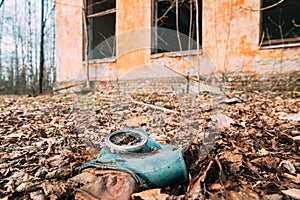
16	56
1	31
29	46
1	3
41	64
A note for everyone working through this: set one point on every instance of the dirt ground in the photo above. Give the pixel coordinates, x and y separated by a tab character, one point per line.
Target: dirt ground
244	148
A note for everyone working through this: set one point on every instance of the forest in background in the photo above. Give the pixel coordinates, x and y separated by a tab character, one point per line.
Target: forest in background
27	46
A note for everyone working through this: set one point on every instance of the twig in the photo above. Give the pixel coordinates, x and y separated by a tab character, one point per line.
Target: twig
252	168
295	24
221	174
67	87
167	11
102	13
190	25
177	26
154	106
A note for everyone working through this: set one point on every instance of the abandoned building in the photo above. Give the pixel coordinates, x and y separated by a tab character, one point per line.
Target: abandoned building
146	38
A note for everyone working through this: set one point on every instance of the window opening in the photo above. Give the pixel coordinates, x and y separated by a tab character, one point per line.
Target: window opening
280	24
170	18
101	16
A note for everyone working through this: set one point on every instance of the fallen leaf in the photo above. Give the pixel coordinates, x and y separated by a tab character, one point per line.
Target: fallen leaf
91	153
292	117
13	137
263	152
10	185
49	150
152	194
295	179
231	101
288	165
53	188
297	138
231	157
25	187
84	178
221	120
37	195
274	197
293	193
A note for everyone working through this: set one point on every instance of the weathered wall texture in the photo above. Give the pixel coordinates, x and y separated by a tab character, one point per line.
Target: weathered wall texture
132	33
68	39
231	39
230	43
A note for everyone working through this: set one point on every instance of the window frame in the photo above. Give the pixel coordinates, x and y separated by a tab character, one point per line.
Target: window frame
154	40
273	43
90	16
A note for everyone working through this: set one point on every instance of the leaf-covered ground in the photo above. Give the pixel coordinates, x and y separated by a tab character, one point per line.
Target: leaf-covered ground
44	140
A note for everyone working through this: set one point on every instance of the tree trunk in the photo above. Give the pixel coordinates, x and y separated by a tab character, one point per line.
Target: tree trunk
86	44
29	47
1	31
41	77
16	58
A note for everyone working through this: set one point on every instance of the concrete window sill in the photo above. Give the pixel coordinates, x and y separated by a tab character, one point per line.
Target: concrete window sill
103	60
177	54
277	46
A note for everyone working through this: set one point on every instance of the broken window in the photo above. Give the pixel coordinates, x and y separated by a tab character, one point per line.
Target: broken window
175	25
280	22
101	28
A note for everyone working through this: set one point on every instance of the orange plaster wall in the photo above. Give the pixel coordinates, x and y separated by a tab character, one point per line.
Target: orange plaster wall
132	33
68	39
231	39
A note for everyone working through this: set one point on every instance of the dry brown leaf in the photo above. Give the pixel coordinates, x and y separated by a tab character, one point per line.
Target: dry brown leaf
91	153
49	150
152	194
10	185
293	193
288	165
232	157
37	195
222	121
295	179
13	137
274	197
84	178
215	187
292	117
53	188
25	187
297	138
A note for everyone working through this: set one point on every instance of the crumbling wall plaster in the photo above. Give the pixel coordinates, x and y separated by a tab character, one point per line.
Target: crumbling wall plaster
68	39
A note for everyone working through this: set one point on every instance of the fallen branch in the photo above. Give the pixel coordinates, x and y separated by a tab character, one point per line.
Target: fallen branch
155	107
67	87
